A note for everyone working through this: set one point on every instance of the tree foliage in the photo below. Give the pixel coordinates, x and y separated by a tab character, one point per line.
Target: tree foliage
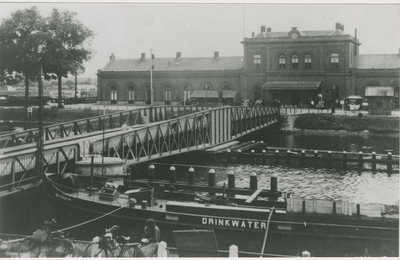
57	44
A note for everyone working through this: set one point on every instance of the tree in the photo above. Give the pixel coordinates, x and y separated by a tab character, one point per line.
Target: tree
22	38
70	83
65	49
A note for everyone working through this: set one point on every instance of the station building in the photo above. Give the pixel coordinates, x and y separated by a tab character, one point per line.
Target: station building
293	67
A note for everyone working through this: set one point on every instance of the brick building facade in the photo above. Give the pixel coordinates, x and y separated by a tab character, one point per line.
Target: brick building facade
291	67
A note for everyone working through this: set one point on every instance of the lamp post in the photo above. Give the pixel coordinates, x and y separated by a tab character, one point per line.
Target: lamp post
206	88
333	98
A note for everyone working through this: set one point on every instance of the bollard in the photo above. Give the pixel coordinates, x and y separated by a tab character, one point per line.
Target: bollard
228	156
233	251
358	210
211	180
305	254
191	176
94	248
252	157
264	157
303	159
276	156
389	163
373	162
162	250
231	183
334	208
152	174
144	204
172	174
360	162
253	181
274	184
316	158
239	156
303	206
288	154
329	159
344	161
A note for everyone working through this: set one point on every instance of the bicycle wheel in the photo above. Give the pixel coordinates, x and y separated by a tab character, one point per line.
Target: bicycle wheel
28	248
131	252
60	248
93	250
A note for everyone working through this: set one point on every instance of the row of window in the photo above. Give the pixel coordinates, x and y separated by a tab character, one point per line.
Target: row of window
295	61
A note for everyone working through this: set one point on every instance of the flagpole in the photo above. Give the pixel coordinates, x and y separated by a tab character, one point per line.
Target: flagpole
151	78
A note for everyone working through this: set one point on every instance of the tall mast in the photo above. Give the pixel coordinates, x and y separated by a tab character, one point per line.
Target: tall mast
151	78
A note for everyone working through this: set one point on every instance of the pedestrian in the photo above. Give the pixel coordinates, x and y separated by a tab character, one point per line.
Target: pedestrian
152	238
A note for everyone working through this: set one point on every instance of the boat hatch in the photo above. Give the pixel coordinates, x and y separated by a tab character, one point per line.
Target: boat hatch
172	217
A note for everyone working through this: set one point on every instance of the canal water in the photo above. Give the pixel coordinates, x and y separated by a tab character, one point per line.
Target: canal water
22	214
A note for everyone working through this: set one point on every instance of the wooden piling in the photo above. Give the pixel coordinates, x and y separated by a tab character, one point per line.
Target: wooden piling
344	161
231	183
264	158
152	175
316	158
303	159
288	154
253	181
252	157
360	162
330	159
239	156
276	156
172	174
274	184
389	163
191	176
373	162
211	180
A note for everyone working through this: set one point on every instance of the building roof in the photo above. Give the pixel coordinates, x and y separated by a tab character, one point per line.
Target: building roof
336	32
285	85
377	61
174	64
379	91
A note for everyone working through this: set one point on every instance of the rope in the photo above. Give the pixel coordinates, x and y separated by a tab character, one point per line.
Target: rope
266	231
92	220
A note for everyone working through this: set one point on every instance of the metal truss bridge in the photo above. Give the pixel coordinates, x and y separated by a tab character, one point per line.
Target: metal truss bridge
135	136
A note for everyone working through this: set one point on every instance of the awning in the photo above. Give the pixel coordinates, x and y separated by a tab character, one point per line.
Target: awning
381	91
296	85
228	94
204	94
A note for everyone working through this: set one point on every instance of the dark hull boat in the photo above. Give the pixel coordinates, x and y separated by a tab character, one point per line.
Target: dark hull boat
247	212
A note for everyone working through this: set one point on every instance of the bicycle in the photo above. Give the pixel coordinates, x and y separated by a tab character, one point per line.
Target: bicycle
52	244
107	246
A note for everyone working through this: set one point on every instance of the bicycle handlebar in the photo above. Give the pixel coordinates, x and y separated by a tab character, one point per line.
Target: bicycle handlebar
47	223
115	227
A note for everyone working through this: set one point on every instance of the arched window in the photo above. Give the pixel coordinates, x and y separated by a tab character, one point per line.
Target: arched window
282	61
226	87
186	93
257	93
148	95
113	95
295	62
307	61
131	95
167	95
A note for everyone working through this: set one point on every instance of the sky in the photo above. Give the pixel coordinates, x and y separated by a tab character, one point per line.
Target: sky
128	29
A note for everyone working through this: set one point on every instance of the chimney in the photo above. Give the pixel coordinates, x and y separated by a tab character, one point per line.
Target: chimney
342	27
178	55
252	34
294	28
268	29
143	56
263	28
355	34
112	57
337	26
216	55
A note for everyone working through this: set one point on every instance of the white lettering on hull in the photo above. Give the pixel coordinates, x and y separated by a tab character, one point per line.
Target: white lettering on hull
245	224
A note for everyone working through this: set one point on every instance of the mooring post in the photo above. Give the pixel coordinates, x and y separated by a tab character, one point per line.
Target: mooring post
373	162
334	208
360	162
152	174
389	163
172	174
274	184
305	254
233	251
330	159
358	210
344	161
239	156
228	156
162	250
288	154
190	179
316	158
303	159
276	156
253	181
264	157
231	183
211	180
252	157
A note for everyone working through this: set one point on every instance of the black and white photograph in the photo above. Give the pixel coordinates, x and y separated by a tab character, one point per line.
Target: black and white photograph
208	129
